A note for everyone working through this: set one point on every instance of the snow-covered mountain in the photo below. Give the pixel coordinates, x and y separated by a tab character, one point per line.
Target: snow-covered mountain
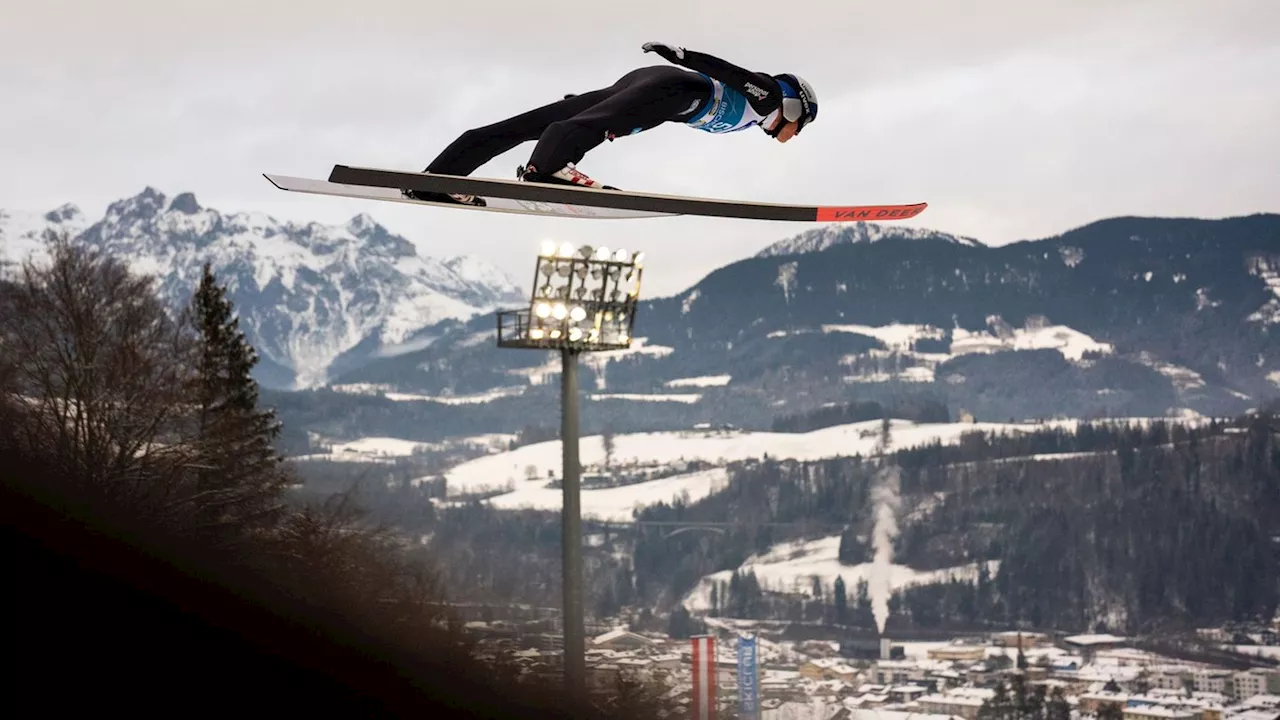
827	236
20	232
305	293
1124	316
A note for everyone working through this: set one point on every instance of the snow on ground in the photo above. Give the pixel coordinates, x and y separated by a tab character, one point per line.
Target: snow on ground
702	381
387	449
614	503
896	336
919	650
1107	660
360	388
911	374
22	232
1274	377
720	448
374	448
484	397
790	568
387	392
1073	344
1272	651
540	374
644	397
1269	270
493	441
599	361
1182	378
497	471
1036	335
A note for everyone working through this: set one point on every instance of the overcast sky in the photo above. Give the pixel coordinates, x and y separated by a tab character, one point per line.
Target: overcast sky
1013	120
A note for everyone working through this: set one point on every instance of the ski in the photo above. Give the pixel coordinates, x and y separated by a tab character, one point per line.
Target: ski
493	204
650	204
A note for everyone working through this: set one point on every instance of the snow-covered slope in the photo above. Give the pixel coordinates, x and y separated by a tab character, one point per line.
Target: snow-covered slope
525	469
830	235
790	567
664	465
305	293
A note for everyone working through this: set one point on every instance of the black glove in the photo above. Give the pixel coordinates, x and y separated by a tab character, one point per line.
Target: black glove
671	53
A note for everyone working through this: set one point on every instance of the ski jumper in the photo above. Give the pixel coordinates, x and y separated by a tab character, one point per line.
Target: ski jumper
711	95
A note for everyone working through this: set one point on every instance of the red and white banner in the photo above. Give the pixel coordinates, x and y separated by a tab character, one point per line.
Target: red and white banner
704	677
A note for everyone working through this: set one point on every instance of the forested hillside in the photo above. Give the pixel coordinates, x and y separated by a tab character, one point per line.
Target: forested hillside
1126	527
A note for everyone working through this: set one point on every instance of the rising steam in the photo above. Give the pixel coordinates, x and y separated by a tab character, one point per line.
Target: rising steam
884	504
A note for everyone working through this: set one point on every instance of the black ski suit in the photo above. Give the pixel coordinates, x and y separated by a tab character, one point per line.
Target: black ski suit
640	100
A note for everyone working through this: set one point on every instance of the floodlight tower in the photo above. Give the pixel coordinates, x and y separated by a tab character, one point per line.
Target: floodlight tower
583	300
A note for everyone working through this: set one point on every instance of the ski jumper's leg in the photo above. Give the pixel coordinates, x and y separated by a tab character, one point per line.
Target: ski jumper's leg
478	146
648	97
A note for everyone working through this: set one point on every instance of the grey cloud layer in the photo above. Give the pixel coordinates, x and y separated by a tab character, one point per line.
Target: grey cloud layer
1012	119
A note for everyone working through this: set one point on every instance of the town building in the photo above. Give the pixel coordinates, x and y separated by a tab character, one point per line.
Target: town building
622	639
958	653
960	702
1014	638
1092	702
1248	683
1158	712
1103	641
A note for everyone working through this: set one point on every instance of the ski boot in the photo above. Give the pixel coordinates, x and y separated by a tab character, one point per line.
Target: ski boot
567	175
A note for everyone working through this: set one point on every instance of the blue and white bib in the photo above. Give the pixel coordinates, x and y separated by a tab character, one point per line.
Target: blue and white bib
727	111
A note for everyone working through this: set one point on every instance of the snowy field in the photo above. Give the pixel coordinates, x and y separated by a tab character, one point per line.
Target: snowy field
388	449
615	504
898	338
701	381
720	448
790	568
1271	651
687	398
1073	344
387	392
525	472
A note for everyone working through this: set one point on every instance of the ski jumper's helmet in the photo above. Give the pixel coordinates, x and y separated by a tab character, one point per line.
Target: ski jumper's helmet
799	101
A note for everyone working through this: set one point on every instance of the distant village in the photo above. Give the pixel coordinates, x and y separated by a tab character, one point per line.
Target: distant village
1098	675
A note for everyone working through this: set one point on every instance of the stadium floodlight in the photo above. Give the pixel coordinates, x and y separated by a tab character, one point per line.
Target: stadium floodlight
583	299
591	290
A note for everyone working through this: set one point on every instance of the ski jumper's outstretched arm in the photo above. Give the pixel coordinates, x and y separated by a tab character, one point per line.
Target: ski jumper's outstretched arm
761	90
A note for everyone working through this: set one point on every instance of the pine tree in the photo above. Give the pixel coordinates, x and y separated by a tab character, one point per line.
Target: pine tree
842	603
240	478
1110	711
851	551
1035	708
1019	683
863	615
606	438
1057	708
1000	706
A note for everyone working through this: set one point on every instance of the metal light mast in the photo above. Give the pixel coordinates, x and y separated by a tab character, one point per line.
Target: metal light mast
583	300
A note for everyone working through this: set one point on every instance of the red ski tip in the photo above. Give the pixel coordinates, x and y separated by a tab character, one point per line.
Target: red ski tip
872	212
